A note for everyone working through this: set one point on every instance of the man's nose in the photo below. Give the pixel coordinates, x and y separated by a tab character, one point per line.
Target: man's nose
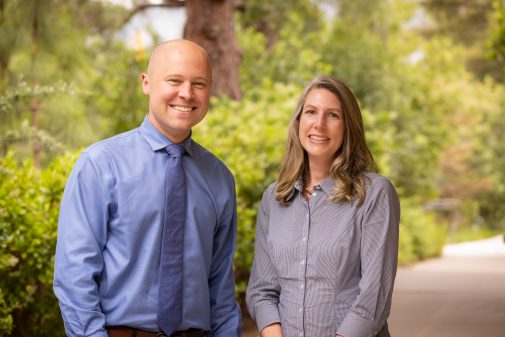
186	90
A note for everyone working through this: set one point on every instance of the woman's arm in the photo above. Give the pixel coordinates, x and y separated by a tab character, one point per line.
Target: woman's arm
263	290
379	255
273	330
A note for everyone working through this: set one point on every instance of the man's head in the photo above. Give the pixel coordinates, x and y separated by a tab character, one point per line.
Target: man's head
178	82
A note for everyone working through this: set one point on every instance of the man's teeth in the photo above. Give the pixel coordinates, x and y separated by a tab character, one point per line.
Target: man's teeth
182	108
318	137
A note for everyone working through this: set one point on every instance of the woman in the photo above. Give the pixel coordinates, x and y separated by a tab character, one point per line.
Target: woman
327	232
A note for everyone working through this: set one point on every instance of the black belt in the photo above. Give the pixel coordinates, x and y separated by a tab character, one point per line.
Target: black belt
124	331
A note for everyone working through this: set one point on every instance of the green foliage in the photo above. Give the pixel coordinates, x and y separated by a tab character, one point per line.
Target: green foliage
421	237
467	23
474	233
52	70
29	204
262	63
497	31
116	103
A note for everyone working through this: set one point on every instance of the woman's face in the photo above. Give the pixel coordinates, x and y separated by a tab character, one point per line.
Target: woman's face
322	127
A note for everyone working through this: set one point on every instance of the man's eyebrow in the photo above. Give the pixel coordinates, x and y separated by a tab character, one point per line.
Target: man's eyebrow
199	78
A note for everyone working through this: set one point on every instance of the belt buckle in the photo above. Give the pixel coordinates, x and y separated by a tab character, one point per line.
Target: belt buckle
161	334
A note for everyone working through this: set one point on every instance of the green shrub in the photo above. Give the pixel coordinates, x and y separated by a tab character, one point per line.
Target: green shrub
421	237
29	204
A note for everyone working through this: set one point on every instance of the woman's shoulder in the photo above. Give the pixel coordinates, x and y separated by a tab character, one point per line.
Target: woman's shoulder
270	191
376	182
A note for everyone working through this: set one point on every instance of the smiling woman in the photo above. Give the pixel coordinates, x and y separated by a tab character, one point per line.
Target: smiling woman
327	231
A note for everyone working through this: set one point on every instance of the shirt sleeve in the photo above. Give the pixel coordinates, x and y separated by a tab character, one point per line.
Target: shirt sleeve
82	228
226	318
379	256
263	290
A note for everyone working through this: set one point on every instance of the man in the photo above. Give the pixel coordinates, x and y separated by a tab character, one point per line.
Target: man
118	219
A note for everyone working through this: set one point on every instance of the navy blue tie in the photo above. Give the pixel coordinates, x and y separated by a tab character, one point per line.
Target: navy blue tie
170	291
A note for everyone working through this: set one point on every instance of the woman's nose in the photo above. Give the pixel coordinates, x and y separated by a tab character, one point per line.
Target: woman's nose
320	121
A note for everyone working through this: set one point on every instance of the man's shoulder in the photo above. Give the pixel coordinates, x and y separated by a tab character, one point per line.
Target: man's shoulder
209	159
114	144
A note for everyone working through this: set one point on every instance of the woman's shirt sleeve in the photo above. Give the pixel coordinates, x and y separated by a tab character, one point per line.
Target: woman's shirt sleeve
379	256
262	296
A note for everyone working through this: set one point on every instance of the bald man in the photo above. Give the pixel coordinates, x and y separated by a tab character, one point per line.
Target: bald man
110	229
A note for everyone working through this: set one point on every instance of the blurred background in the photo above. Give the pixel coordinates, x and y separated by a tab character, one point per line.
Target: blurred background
429	75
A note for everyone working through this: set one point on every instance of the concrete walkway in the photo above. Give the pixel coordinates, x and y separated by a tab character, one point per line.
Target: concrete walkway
460	294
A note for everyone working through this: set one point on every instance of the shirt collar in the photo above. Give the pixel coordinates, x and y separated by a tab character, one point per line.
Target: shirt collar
158	141
327	186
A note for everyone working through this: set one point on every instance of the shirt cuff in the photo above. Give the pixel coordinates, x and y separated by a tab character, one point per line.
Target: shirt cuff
357	326
265	315
99	334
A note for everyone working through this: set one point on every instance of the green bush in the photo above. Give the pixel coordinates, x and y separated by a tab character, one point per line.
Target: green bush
29	204
421	237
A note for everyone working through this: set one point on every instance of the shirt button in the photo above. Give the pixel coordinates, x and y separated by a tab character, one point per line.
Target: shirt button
301	334
301	286
304	239
302	262
314	194
300	310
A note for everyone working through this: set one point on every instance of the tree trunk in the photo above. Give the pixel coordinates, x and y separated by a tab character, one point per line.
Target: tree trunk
210	24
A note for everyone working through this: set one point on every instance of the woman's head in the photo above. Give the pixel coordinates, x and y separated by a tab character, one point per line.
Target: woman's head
331	96
326	129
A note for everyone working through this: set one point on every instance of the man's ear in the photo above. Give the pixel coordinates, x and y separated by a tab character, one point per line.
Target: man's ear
145	83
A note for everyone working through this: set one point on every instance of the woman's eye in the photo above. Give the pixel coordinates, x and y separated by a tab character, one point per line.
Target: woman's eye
309	112
334	115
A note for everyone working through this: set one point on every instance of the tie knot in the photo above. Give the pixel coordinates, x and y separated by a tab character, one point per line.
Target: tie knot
175	150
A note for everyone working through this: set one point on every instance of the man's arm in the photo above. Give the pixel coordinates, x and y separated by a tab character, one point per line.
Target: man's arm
226	319
81	237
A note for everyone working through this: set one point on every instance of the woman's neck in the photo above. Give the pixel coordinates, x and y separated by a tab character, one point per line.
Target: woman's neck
317	173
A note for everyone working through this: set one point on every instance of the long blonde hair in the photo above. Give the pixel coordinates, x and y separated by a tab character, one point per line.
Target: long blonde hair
351	160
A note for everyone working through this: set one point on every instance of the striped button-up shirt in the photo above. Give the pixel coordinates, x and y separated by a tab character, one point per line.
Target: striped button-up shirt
322	267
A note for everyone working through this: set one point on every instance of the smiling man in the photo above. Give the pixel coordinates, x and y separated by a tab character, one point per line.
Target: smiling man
147	225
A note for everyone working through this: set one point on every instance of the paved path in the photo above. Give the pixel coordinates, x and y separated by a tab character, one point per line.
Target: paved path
460	294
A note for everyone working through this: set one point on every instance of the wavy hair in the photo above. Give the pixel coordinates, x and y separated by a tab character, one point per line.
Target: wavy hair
351	160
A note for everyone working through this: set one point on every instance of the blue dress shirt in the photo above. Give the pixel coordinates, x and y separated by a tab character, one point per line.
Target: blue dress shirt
109	238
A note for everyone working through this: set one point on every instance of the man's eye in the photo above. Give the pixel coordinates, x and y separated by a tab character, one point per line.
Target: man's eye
174	81
199	85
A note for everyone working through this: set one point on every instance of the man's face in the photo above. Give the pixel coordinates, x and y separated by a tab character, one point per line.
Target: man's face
178	84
